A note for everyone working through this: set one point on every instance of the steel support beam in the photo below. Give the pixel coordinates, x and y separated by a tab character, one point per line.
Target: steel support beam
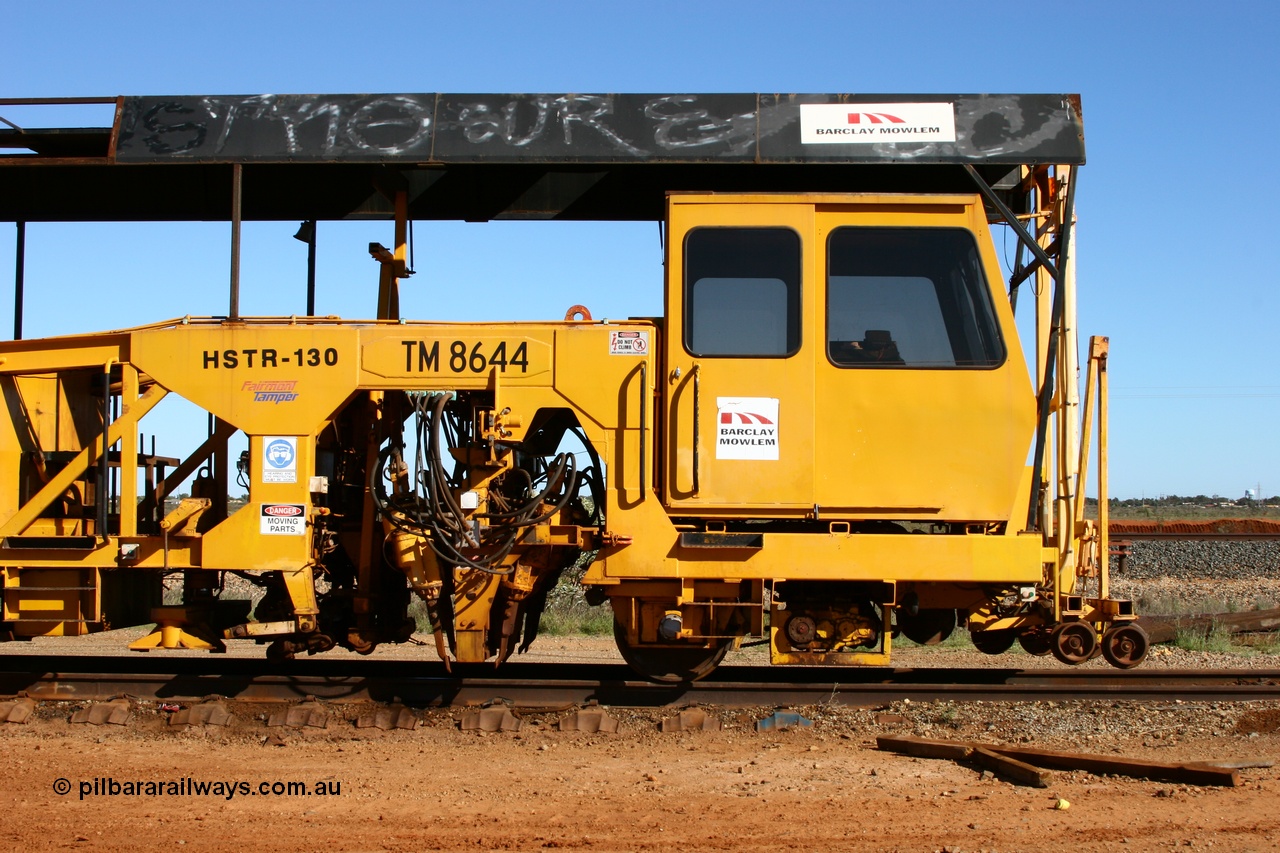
1045	397
237	178
19	278
311	271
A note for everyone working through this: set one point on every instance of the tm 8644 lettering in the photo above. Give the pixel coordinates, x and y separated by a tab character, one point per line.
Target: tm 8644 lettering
465	356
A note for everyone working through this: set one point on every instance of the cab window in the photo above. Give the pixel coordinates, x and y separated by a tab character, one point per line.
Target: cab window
742	292
909	297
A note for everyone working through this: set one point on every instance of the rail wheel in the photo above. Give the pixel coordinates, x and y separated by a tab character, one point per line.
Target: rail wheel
666	664
1125	646
993	642
927	627
1073	643
1035	642
279	651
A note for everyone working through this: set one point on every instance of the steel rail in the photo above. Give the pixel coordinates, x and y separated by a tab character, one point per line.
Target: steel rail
1153	536
424	684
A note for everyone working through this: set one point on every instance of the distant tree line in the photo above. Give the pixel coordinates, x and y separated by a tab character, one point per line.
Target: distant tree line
1184	500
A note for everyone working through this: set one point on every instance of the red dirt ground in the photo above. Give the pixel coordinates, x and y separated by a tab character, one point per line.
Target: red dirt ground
439	788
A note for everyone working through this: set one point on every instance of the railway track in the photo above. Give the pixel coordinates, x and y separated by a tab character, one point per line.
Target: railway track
57	678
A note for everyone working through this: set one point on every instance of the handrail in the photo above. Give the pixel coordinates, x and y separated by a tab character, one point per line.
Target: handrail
103	497
697	422
644	418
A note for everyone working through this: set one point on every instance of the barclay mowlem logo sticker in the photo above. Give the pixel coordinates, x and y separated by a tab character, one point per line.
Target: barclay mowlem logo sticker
875	118
744	418
746	427
876	123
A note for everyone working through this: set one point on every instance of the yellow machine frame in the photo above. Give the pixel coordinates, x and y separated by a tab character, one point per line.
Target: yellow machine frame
878	500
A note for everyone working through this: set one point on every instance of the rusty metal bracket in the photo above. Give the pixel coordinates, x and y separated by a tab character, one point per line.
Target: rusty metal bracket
204	714
591	721
388	718
491	720
117	712
691	720
308	714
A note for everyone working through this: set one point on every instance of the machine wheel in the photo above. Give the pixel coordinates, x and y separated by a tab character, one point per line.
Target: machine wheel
1073	643
1035	642
1125	646
993	642
927	627
280	651
666	664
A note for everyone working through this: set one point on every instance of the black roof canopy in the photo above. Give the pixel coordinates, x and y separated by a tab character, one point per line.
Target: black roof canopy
493	156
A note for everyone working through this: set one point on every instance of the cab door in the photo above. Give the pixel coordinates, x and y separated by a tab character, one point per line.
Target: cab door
925	406
740	356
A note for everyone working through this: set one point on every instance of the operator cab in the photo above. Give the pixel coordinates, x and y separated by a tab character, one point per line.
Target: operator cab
842	356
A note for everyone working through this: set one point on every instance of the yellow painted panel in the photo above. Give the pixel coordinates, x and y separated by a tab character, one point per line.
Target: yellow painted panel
863	200
238	543
106	557
923	444
27	593
871	557
605	386
276	379
933	444
432	356
14	447
646	523
49	355
46	412
26	604
784	386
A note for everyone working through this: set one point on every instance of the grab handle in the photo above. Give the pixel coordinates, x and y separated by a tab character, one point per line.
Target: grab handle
697	427
644	429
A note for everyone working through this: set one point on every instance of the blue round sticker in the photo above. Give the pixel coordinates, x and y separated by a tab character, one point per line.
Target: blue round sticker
280	453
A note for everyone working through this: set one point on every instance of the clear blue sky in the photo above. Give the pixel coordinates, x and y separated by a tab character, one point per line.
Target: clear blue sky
1176	263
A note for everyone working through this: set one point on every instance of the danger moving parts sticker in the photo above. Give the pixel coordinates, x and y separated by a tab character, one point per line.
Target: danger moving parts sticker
746	427
846	124
283	520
